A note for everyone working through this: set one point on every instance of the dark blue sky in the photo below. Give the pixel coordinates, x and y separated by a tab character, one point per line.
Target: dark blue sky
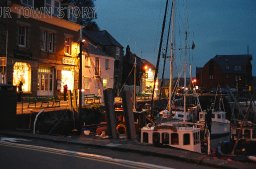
216	27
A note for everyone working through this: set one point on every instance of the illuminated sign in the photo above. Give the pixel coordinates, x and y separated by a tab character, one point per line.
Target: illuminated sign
69	61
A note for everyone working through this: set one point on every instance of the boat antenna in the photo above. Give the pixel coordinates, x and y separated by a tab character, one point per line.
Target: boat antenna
158	58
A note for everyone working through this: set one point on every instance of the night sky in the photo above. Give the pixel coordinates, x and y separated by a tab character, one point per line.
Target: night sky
216	27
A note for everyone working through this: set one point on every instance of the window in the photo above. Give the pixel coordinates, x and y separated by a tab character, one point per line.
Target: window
44	41
45	81
52	7
174	139
213	116
67	48
247	133
22	73
105	83
186	139
56	8
218	116
237	68
22	36
106	64
51	39
145	137
210	76
97	66
29	3
48	41
165	138
117	52
156	138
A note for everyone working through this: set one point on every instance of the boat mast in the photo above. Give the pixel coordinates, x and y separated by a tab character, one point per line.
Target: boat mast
134	86
158	58
171	58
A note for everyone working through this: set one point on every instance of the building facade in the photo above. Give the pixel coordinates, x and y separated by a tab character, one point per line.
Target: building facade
103	55
234	71
39	50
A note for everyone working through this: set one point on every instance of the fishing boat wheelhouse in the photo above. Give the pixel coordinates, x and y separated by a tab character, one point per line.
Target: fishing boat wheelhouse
182	135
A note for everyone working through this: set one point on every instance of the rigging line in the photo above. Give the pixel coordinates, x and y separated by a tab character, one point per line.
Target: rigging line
166	48
126	80
158	57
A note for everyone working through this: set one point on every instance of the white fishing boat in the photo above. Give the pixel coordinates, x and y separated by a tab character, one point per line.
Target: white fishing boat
220	126
178	134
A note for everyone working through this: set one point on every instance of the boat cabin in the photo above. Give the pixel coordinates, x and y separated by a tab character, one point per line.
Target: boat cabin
218	116
181	135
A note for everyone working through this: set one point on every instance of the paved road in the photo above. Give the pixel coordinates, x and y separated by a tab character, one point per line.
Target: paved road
39	154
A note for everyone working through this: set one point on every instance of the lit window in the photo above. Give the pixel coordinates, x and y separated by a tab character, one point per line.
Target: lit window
105	83
67	78
107	64
22	36
29	3
22	73
67	48
97	66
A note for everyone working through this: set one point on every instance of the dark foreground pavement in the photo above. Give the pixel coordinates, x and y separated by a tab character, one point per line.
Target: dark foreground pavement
133	146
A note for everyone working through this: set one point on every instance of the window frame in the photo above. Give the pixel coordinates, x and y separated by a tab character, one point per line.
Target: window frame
26	3
25	36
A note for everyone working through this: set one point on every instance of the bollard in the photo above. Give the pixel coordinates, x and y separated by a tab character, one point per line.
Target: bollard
111	119
128	113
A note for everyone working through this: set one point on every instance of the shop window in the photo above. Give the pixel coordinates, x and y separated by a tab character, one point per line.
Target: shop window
22	74
22	36
67	78
145	137
165	138
174	139
45	81
186	139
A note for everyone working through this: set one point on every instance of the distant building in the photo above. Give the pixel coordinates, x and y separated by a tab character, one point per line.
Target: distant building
145	72
102	62
234	71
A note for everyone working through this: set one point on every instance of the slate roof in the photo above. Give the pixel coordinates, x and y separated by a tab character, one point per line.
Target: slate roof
101	38
231	61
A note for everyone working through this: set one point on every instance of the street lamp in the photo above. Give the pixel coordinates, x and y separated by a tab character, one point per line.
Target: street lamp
80	74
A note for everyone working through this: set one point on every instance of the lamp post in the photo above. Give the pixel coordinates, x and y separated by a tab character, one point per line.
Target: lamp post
80	75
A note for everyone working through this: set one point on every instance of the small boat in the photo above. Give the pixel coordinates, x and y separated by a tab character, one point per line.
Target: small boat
252	158
178	134
220	126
